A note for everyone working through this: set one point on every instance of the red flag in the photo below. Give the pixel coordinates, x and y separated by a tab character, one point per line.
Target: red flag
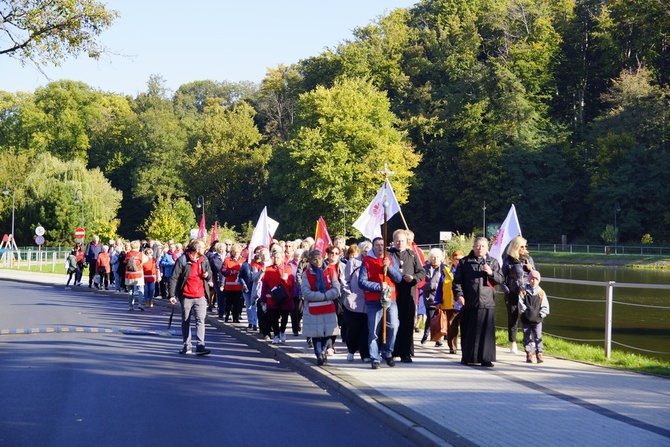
215	233
202	229
322	238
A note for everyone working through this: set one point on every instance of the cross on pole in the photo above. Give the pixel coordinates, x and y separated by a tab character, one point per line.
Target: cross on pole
386	172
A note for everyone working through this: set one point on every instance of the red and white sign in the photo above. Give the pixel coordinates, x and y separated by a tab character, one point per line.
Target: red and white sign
79	233
39	240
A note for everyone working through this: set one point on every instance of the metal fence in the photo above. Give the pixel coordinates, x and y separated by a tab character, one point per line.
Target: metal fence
609	302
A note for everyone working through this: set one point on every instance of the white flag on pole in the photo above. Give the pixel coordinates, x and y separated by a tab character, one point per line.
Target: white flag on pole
509	229
373	217
265	229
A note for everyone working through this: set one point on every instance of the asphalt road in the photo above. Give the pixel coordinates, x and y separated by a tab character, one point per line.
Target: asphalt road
90	372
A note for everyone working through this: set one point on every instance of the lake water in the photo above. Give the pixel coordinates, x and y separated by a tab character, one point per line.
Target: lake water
640	317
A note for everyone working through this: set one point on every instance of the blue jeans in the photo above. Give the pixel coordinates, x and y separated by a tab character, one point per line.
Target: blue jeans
117	281
321	344
198	308
374	310
150	290
140	295
252	311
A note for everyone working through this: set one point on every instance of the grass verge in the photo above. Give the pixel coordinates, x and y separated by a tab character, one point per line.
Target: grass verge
595	355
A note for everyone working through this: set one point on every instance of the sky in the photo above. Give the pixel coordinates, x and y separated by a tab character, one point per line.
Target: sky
218	40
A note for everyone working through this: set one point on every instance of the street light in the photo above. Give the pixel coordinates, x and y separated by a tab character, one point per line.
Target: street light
6	192
201	202
80	200
617	209
343	210
484	219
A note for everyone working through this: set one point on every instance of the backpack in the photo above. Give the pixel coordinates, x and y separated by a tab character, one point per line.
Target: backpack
133	264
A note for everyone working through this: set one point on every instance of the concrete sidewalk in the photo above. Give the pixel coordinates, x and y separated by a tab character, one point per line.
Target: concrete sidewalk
438	401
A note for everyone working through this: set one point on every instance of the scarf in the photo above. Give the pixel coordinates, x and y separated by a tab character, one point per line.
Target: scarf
320	280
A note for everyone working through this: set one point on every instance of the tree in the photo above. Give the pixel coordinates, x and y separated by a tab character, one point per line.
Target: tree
170	219
341	136
228	165
48	193
48	31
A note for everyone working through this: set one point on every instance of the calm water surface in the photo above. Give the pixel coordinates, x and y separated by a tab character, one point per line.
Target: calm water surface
578	311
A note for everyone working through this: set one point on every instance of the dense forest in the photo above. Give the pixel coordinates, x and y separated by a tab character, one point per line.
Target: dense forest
556	106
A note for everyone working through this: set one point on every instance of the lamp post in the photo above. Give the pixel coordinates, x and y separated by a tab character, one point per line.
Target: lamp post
78	199
343	210
6	192
484	219
617	209
201	203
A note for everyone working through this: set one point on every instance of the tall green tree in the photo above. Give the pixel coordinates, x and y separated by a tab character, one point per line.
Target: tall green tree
341	137
228	165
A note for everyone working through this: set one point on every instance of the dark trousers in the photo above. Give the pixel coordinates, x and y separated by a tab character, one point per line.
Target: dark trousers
220	302
296	315
278	320
454	318
512	304
357	333
263	320
234	304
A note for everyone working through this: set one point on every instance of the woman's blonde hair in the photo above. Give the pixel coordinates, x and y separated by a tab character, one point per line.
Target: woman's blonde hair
515	245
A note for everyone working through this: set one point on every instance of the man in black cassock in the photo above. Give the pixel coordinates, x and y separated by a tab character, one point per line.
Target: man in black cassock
474	288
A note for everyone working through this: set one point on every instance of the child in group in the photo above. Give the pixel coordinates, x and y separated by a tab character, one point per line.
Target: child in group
533	308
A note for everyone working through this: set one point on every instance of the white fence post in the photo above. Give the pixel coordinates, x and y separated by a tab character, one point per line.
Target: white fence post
608	318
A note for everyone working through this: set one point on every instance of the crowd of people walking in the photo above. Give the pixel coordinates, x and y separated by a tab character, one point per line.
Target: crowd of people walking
369	295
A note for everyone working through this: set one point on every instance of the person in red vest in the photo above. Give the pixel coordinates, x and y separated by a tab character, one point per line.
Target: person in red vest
150	269
134	274
319	287
374	281
233	288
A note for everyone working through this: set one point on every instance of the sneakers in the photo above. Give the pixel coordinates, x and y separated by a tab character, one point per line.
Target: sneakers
539	357
185	350
131	307
140	307
276	340
375	365
201	350
330	351
390	362
438	344
513	349
529	358
282	337
267	338
424	339
350	357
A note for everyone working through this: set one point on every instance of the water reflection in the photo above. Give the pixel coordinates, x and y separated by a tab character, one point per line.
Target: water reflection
578	311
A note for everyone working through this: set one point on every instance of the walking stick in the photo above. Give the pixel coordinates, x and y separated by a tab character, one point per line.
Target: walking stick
171	315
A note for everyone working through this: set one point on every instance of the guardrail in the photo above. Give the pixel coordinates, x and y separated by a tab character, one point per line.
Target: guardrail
609	287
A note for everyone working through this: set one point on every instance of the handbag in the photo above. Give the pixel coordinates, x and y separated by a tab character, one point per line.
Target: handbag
279	293
321	307
438	325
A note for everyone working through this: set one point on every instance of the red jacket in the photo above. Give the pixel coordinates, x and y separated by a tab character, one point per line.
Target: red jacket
273	278
103	261
150	270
